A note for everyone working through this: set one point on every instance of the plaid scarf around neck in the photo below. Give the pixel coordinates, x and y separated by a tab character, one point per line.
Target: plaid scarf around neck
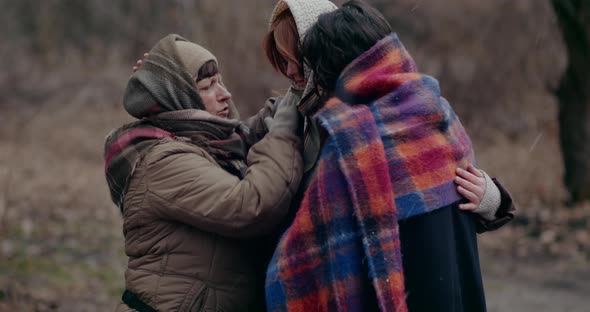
125	146
392	152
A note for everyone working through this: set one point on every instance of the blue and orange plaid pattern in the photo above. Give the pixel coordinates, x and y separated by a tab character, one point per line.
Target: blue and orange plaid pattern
394	144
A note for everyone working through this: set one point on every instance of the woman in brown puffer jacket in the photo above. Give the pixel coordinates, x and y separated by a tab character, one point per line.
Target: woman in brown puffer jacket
193	187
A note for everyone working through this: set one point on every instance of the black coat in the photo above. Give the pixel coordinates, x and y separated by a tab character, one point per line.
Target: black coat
441	262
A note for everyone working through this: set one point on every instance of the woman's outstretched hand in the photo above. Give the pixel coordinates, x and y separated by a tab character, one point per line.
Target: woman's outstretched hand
471	183
287	116
138	63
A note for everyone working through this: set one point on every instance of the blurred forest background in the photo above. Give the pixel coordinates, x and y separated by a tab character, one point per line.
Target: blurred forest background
65	64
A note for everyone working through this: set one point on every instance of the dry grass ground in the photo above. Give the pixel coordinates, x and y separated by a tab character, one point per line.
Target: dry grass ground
61	243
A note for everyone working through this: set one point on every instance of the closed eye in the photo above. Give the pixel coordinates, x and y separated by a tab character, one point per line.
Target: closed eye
205	84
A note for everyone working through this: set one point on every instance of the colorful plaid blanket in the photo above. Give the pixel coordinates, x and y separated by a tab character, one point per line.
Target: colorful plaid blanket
392	151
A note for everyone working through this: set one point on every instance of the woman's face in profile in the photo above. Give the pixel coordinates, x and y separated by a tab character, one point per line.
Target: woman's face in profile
214	95
294	71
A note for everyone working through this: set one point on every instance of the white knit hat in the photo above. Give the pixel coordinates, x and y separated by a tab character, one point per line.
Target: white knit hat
306	13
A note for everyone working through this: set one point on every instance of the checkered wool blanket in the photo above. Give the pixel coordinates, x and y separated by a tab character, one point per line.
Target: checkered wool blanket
394	144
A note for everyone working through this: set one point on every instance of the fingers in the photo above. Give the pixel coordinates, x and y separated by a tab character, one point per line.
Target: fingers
466	184
469	176
138	64
474	171
471	185
468	206
473	192
473	199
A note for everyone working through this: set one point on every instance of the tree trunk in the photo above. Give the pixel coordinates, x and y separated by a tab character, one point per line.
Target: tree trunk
573	94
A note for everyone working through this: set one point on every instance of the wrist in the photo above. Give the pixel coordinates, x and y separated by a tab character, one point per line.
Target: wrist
491	199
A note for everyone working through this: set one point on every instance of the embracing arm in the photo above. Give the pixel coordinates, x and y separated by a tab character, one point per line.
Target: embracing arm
487	198
503	214
191	188
255	123
258	124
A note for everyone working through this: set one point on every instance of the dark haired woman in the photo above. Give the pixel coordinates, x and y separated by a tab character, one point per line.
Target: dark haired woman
289	22
191	190
379	226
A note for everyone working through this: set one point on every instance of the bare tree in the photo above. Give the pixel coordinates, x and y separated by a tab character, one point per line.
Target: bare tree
573	94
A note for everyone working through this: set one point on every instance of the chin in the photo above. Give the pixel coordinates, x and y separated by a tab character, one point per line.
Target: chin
299	86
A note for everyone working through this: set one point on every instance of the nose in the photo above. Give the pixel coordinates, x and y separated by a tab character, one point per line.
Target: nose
223	94
292	70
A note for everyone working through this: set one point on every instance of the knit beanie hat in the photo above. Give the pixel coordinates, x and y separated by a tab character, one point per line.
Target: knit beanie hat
306	13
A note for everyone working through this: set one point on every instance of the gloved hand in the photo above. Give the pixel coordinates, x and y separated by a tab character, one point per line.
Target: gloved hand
286	117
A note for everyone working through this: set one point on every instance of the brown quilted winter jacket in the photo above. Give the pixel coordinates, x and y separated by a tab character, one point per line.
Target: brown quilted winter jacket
188	223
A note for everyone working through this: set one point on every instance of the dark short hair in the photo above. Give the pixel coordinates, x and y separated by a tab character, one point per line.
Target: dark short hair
209	69
339	37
